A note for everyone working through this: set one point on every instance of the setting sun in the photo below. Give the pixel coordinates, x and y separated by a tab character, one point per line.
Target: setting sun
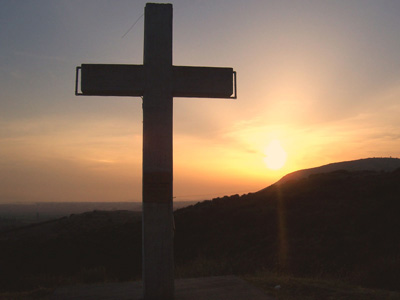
275	155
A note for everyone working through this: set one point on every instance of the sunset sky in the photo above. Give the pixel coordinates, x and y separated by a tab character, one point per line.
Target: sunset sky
320	79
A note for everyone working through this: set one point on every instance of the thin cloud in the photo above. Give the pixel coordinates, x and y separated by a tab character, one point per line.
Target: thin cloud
39	56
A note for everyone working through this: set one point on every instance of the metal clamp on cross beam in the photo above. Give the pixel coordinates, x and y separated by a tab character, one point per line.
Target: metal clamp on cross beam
77	82
234	85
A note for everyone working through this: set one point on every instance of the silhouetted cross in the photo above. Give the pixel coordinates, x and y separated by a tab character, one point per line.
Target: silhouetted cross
158	81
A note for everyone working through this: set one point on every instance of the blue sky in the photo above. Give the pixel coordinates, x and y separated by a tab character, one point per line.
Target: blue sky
321	77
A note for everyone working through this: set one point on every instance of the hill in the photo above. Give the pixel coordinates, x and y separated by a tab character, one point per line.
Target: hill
336	225
14	215
340	224
379	164
88	247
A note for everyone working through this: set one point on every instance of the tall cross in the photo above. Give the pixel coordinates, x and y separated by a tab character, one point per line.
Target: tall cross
158	81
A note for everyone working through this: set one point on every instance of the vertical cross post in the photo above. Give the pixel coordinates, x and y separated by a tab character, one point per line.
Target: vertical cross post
158	262
158	81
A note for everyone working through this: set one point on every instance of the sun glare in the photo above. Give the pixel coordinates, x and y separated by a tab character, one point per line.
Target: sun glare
275	155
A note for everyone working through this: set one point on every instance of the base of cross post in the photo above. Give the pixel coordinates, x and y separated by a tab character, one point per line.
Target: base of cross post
158	256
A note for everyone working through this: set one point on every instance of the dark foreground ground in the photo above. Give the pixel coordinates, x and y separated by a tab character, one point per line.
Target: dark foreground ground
205	288
272	285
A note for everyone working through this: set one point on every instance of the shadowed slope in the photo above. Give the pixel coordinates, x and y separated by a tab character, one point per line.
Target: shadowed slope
340	224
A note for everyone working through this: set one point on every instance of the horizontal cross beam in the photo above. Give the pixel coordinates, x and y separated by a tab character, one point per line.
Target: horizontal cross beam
129	80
